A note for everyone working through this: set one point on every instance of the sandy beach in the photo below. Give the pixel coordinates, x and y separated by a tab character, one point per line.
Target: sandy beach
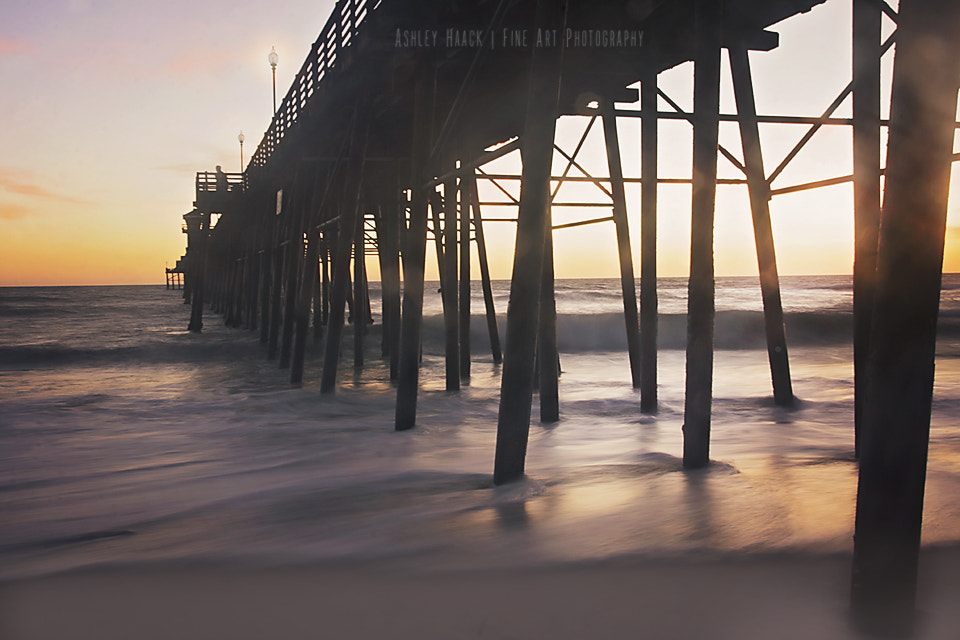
735	597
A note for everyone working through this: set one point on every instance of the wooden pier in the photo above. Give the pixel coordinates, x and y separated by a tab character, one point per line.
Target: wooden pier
380	143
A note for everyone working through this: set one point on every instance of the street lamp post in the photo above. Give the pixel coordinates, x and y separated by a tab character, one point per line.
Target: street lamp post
240	138
273	58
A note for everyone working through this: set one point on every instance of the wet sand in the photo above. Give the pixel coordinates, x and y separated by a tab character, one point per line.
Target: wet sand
718	597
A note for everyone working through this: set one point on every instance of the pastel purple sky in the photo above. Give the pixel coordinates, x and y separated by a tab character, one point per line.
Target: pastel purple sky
110	107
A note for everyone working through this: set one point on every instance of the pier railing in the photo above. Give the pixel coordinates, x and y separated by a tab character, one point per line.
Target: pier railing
325	54
208	181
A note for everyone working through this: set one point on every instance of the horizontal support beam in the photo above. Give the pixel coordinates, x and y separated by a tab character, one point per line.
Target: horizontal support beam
732	117
487	156
516	178
554	204
570	225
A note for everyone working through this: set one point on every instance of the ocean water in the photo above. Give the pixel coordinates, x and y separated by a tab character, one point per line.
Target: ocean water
126	439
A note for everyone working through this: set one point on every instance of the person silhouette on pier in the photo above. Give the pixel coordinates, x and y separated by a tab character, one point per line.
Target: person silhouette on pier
221	180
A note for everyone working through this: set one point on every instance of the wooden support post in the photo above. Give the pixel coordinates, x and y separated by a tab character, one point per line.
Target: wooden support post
436	206
547	357
199	275
359	291
294	266
188	275
762	230
867	18
226	280
415	248
253	289
235	294
338	298
325	280
648	241
228	284
485	284
368	308
627	283
318	292
266	271
895	426
700	296
451	315
307	287
388	230
276	297
349	291
380	231
464	330
239	298
516	383
266	274
349	210
308	277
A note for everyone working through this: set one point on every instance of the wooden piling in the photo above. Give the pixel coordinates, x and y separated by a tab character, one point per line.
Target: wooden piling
266	274
415	247
547	357
648	241
308	279
388	238
516	386
464	297
253	290
759	190
276	294
436	206
199	275
307	286
700	296
318	292
627	283
895	425
867	18
485	284
451	293
294	267
359	291
349	211
325	280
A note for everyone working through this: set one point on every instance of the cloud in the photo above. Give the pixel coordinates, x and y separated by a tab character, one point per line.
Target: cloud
10	47
181	168
200	61
13	184
12	211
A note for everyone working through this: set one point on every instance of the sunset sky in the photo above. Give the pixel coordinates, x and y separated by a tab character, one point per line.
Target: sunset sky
110	107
